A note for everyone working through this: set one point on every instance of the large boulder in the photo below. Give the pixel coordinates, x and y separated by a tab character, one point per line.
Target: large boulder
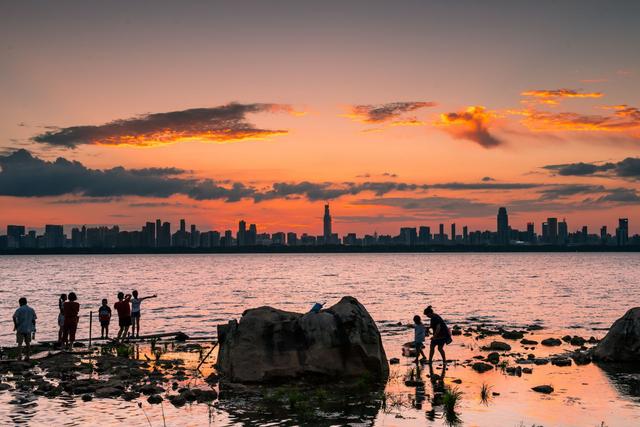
622	342
274	345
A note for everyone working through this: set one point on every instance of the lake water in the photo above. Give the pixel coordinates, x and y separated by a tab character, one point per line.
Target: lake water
577	293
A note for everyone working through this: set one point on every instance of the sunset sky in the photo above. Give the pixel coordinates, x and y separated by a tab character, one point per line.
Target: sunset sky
398	113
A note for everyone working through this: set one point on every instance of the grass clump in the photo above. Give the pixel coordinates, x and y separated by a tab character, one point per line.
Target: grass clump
485	393
450	402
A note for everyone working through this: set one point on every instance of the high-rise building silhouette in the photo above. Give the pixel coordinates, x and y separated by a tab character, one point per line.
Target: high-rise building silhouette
158	231
552	230
242	233
326	225
503	226
453	232
622	232
563	232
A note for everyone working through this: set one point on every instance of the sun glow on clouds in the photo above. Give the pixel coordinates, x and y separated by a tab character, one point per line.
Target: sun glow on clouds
168	136
471	124
552	96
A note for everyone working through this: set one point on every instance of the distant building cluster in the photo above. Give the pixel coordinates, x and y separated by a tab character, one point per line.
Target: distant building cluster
158	235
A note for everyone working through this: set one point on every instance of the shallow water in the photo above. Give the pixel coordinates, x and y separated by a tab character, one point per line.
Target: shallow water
577	294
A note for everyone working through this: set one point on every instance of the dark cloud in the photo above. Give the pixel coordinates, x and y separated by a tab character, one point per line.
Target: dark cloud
83	201
620	195
627	168
226	123
487	179
386	112
23	175
566	190
448	207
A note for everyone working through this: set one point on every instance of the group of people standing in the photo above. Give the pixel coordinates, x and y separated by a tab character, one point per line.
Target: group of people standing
127	307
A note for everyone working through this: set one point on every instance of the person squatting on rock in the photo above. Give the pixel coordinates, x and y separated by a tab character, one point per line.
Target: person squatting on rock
71	308
441	334
135	312
24	323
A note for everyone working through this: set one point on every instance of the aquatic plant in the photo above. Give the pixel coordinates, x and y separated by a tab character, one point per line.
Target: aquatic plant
124	350
485	393
450	402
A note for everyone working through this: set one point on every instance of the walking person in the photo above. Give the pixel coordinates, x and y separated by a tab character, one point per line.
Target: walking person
104	314
419	333
61	301
441	334
24	323
124	314
135	312
71	309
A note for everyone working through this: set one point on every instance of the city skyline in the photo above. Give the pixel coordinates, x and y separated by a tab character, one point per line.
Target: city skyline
107	123
158	235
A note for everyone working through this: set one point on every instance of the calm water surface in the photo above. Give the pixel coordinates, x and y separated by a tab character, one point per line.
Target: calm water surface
574	293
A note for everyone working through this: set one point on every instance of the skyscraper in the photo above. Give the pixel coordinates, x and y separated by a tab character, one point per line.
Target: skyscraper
242	233
622	232
563	232
453	232
503	226
327	225
552	229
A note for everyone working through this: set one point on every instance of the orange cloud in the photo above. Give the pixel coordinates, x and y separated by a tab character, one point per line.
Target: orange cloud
623	119
551	96
223	124
390	112
471	124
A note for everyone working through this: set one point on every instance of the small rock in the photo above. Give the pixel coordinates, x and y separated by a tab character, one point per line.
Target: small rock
495	393
130	395
528	342
546	389
87	398
566	338
394	361
493	357
181	337
527	370
177	400
154	399
581	358
104	392
456	332
457	381
498	346
561	361
534	328
541	361
481	367
512	335
577	341
551	342
214	378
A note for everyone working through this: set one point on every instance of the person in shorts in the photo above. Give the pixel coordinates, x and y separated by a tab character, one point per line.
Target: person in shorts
441	334
24	323
124	314
71	309
61	301
419	333
104	314
135	312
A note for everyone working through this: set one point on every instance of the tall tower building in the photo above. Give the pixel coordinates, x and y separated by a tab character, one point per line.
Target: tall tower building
552	228
242	233
622	232
503	226
453	232
327	225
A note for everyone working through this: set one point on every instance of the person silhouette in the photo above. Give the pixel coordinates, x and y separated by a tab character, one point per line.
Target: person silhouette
441	334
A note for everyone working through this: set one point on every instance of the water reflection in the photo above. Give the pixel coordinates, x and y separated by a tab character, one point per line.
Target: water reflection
624	377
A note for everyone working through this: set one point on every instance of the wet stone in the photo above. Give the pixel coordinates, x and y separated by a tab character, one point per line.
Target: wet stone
392	361
493	357
512	335
528	342
546	389
155	399
498	346
481	367
551	342
561	361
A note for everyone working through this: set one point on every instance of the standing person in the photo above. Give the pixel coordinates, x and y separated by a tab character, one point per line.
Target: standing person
71	309
61	301
24	323
104	314
124	314
419	333
135	312
441	334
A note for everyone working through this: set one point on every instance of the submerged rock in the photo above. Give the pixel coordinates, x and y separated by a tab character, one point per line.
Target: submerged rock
270	345
622	342
481	367
546	389
551	342
498	346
